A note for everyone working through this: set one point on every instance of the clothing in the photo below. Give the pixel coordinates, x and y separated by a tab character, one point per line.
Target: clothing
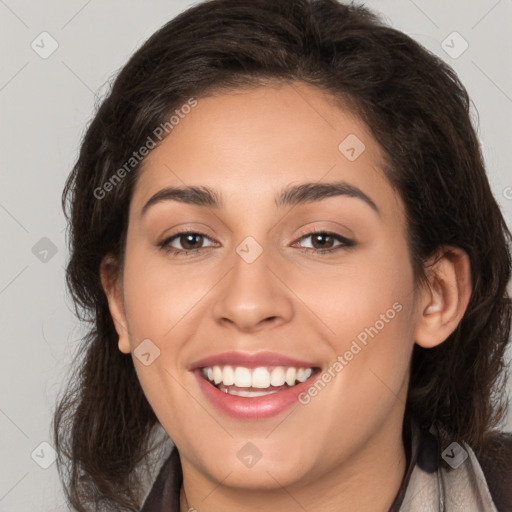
453	479
429	485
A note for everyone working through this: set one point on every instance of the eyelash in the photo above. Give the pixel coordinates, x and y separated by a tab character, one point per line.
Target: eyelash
345	243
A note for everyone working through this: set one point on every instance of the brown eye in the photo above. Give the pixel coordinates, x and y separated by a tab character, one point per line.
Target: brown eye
191	241
186	242
322	241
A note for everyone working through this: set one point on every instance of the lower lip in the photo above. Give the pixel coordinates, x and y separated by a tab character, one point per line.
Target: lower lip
255	408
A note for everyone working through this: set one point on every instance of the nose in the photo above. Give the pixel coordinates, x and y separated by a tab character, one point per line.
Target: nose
253	296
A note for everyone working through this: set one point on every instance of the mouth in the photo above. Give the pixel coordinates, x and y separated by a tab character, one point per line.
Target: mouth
255	382
253	387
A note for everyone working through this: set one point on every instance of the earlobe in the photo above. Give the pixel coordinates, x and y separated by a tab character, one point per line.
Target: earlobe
111	283
444	298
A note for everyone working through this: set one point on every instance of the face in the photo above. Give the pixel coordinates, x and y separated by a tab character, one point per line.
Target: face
284	277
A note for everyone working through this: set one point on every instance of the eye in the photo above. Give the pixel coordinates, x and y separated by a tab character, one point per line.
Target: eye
325	242
185	242
190	242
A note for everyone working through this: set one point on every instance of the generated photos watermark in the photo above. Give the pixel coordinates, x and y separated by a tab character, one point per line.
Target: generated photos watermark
157	135
357	345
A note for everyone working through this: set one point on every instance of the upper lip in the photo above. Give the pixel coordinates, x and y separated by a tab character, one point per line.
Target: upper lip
248	360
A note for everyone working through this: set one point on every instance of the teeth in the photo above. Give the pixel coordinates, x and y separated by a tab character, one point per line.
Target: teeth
228	376
242	377
217	374
277	378
291	373
303	374
248	394
260	377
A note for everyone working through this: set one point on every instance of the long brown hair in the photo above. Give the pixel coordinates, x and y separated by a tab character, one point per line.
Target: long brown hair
417	110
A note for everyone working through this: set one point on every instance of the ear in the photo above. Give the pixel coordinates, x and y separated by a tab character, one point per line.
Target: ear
445	297
112	286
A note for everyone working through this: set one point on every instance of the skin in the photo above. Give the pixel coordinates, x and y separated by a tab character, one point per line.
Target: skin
342	451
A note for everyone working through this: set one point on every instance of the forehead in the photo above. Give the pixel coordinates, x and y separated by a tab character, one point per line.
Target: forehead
253	143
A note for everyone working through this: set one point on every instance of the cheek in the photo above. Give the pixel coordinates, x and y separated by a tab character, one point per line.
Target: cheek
371	291
159	297
369	308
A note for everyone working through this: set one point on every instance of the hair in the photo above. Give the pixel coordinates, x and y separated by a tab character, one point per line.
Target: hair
417	110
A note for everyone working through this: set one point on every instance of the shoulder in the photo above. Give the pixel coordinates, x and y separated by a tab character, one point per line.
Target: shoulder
496	463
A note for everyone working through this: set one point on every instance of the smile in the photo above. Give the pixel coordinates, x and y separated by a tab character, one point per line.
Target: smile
254	382
253	386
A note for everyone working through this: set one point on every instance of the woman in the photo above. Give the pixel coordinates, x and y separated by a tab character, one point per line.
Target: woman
286	244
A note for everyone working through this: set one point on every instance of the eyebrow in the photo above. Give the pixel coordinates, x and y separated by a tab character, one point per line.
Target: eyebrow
290	196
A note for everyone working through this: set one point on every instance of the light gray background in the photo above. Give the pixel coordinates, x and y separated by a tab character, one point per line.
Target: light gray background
45	106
